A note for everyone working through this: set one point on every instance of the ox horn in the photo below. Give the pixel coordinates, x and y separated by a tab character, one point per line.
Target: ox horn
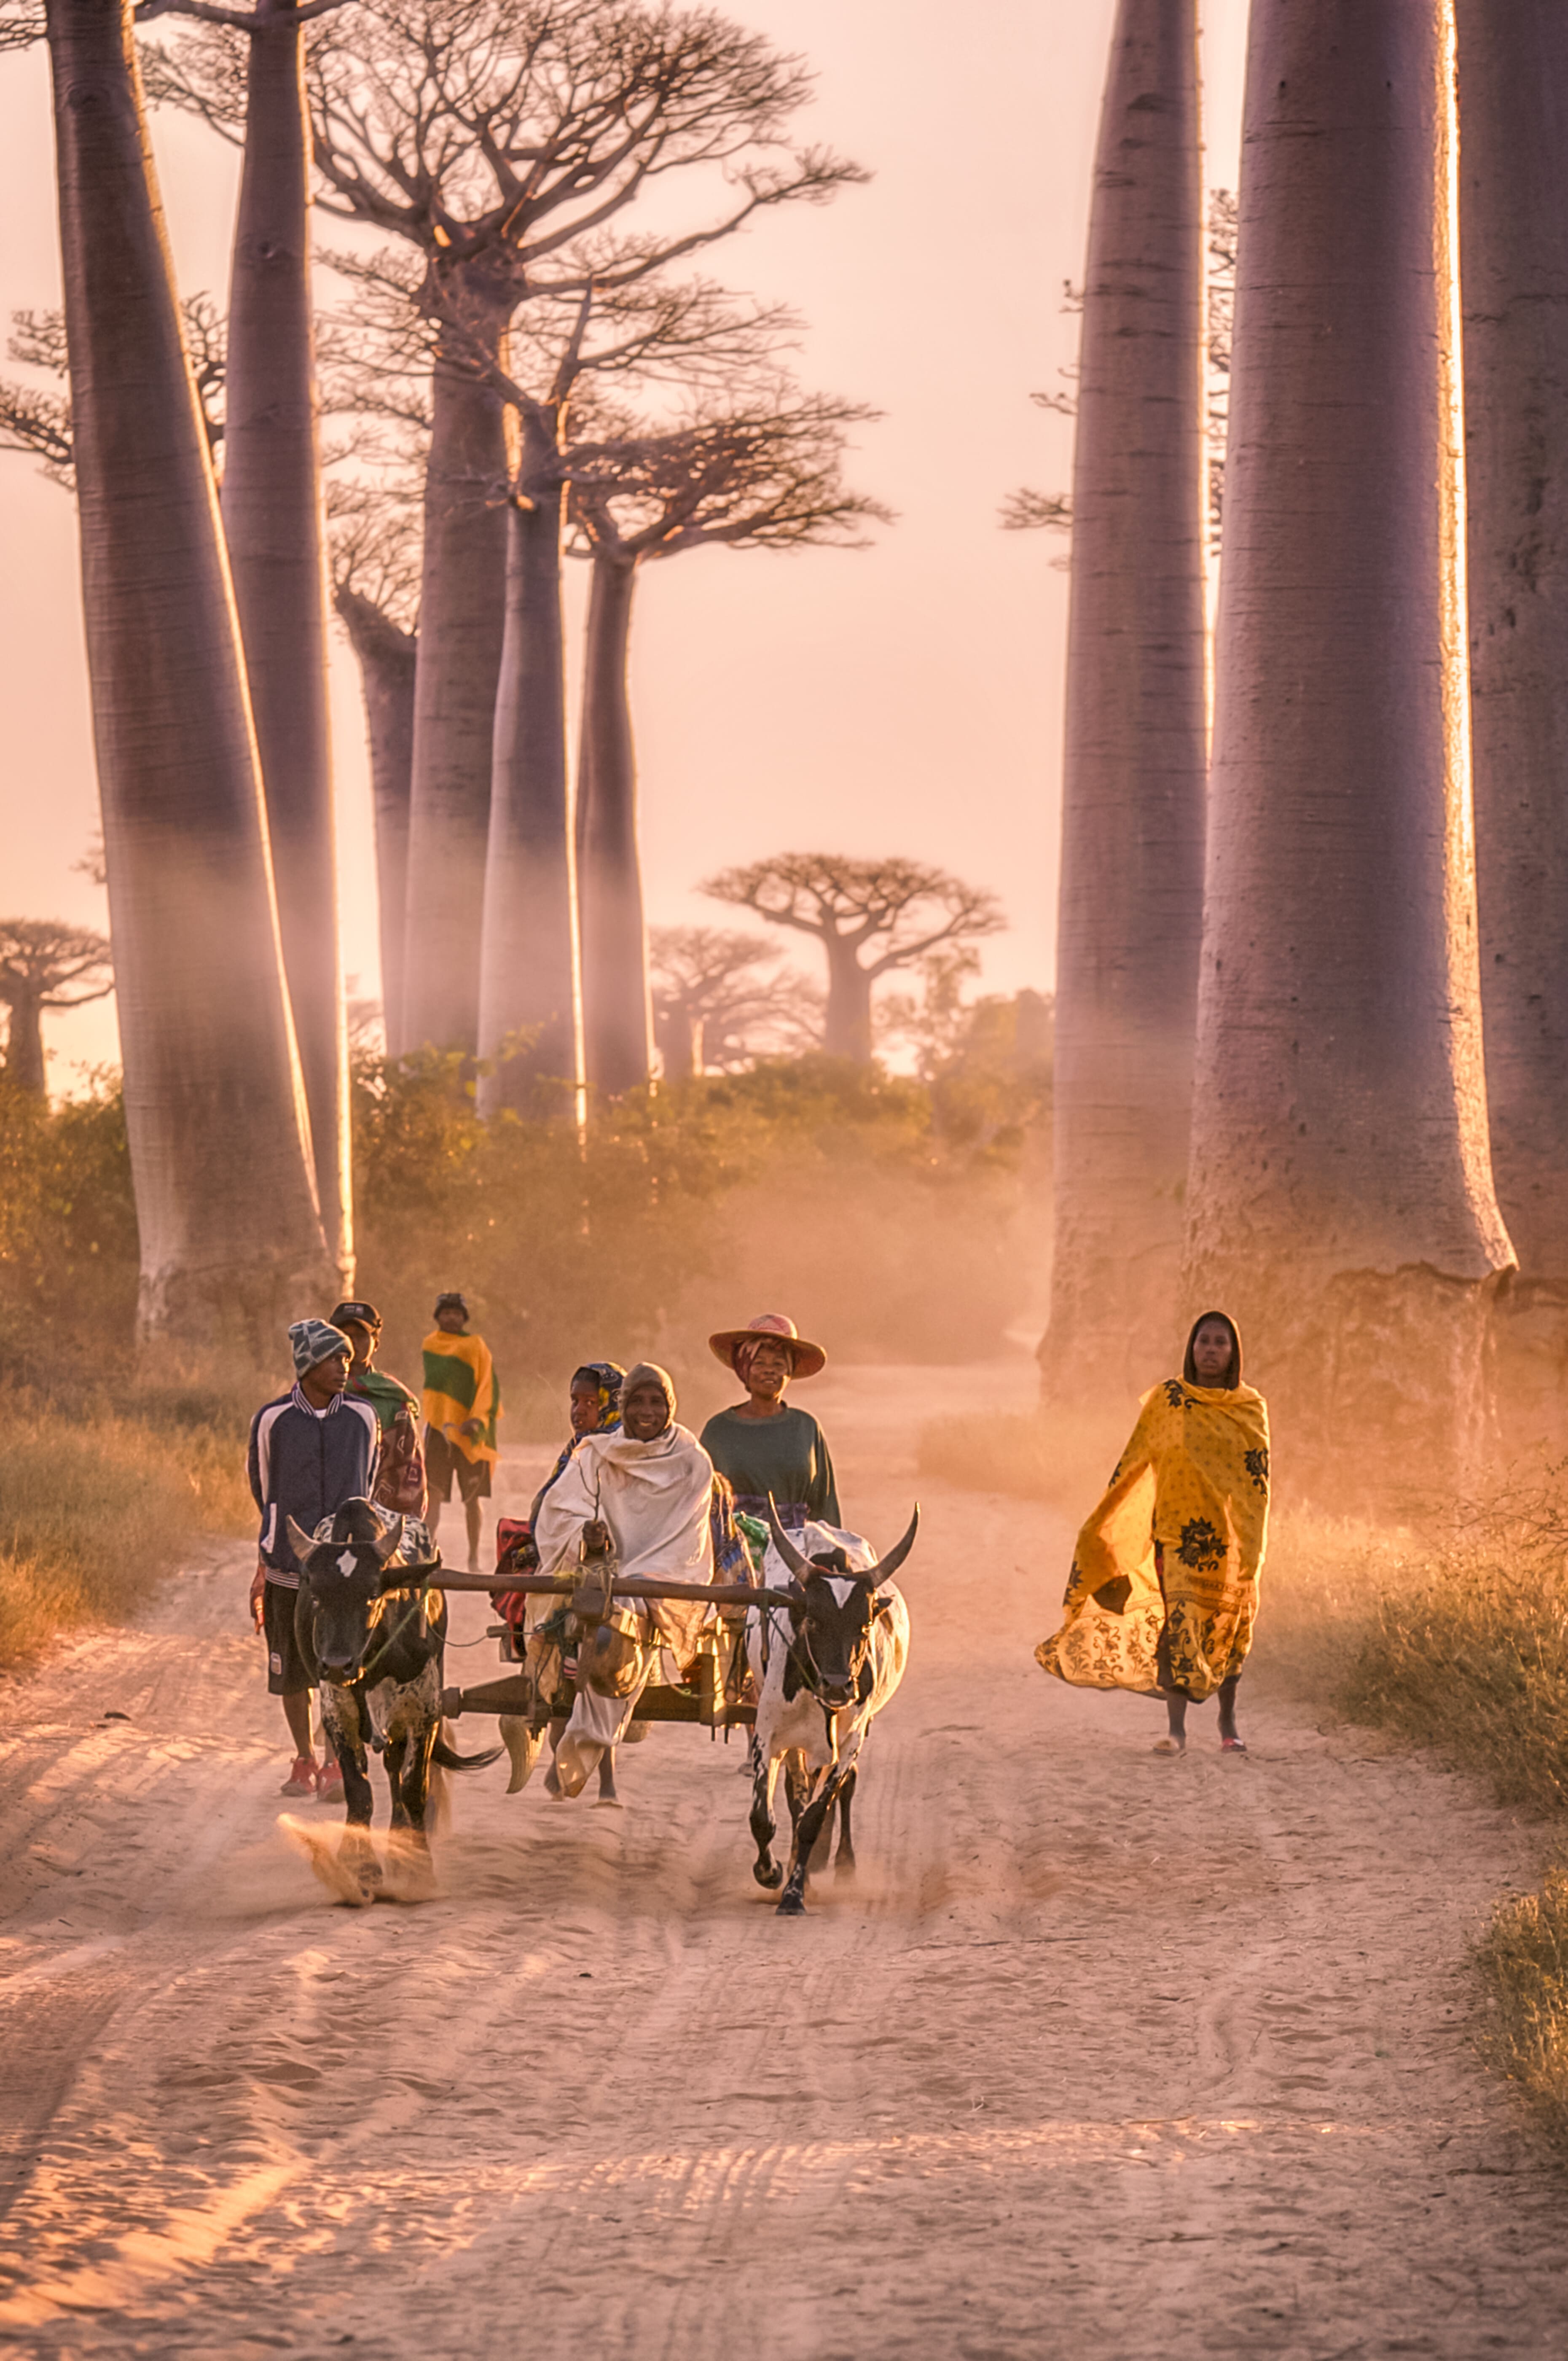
885	1568
799	1567
299	1541
391	1542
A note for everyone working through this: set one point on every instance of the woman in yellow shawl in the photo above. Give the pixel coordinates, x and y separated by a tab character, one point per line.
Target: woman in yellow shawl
1163	1593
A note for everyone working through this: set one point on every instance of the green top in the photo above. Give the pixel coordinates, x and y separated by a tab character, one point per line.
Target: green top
388	1398
786	1455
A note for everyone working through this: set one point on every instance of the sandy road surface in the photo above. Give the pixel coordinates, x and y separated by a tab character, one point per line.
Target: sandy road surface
1102	2055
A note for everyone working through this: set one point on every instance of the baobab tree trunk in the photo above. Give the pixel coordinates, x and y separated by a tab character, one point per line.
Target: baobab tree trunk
528	1024
681	1045
214	1105
463	599
1513	213
1132	874
617	1010
387	657
24	1066
846	1025
272	519
1341	1198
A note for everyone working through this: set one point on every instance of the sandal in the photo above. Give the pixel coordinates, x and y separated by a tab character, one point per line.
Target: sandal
1233	1745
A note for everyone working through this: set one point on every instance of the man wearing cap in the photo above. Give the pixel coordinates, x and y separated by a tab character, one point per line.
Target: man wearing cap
462	1403
761	1445
310	1450
399	1476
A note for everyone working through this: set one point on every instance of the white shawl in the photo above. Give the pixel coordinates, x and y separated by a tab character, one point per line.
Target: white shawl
654	1496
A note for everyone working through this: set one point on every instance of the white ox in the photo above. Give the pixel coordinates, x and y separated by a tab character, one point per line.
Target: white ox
822	1670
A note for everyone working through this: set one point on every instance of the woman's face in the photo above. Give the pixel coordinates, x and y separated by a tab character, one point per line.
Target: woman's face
768	1371
644	1413
584	1405
1211	1349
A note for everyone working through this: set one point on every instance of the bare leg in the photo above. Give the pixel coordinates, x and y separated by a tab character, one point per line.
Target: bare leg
474	1511
297	1714
1174	1739
1229	1736
433	1515
607	1777
552	1777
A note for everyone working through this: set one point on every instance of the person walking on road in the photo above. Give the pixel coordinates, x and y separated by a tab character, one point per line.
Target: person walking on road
765	1444
1163	1594
310	1450
462	1403
399	1476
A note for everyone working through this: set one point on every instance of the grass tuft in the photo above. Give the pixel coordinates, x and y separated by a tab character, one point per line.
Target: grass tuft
1524	1959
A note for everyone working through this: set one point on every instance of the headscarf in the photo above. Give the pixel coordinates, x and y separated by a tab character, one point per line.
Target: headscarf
314	1341
648	1373
609	1376
1190	1366
654	1496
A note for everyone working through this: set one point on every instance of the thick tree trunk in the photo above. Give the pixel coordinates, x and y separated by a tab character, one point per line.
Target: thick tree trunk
616	1011
215	1107
528	1023
463	605
24	1066
1131	876
1342	1201
272	520
847	1026
681	1045
1513	94
387	657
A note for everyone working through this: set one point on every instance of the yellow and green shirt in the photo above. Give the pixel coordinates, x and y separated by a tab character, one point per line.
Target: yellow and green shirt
460	1384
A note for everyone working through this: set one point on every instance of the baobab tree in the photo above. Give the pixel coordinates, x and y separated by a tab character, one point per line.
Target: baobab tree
272	514
1340	1194
219	1137
46	965
721	997
500	139
767	476
36	420
1134	776
1513	214
374	545
894	911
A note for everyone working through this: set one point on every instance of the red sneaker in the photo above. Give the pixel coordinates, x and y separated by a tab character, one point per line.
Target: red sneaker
302	1779
329	1784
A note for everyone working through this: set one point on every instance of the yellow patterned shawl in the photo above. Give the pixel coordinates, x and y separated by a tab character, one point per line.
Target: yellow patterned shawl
1194	1477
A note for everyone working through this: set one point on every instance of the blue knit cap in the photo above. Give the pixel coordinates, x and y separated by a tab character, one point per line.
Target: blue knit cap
314	1341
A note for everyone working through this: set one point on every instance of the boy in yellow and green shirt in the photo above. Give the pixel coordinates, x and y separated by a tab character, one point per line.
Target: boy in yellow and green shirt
462	1403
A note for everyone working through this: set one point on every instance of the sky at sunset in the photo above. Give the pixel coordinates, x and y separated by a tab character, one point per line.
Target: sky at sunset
905	698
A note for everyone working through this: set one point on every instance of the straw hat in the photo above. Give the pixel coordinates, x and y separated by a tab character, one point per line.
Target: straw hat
806	1359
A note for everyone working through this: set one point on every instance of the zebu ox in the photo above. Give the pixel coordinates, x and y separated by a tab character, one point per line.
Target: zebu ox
372	1635
823	1671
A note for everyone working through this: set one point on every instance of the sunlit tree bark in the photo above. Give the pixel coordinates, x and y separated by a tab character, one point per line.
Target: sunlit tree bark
387	655
215	1107
618	1014
1341	1197
1513	86
1131	871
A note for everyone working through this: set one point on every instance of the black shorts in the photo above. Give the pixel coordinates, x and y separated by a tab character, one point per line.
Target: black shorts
442	1461
286	1672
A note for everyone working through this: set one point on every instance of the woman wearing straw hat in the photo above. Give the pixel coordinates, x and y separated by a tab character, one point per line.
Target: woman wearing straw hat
761	1445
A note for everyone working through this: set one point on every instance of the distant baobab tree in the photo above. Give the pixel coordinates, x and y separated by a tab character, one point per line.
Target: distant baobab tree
1513	222
870	917
1340	1194
219	1137
501	138
721	997
46	965
766	473
1133	791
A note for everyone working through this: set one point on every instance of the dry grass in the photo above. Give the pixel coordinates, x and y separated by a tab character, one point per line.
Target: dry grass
98	1506
1524	1959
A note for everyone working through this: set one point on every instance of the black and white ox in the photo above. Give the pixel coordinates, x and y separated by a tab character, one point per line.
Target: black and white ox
823	1669
372	1632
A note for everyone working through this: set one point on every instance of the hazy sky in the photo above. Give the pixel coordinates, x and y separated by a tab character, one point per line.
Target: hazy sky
905	698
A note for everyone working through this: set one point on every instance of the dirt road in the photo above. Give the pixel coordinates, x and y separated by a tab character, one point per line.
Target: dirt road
1102	2055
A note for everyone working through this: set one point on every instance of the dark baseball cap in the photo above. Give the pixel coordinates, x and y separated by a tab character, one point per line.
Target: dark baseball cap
364	1315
